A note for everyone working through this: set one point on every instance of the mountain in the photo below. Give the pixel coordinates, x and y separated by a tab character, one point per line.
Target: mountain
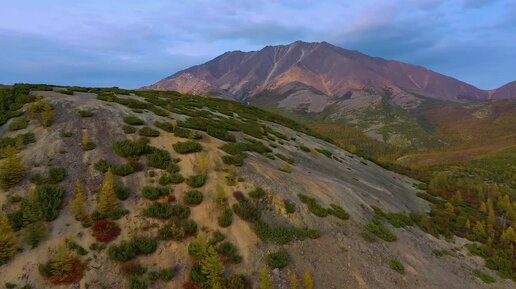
324	68
388	100
258	190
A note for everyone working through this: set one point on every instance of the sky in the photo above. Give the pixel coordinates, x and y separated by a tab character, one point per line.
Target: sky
131	43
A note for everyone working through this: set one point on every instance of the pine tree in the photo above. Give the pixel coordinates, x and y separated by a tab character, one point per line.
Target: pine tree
79	199
212	267
35	232
483	207
8	240
107	197
12	169
308	281
508	237
449	207
293	280
265	279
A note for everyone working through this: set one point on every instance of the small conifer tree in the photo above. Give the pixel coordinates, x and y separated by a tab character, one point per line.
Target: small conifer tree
8	240
79	198
107	201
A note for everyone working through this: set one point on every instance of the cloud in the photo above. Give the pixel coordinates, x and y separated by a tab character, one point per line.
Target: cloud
131	44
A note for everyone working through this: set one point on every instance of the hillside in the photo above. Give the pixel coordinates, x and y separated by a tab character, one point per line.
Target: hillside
265	196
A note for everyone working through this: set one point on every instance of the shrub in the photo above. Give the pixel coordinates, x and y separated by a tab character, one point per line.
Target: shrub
186	133
399	220
313	206
49	198
123	170
128	148
278	259
187	147
159	159
153	193
135	283
246	210
133	120
338	212
397	266
290	208
144	245
85	113
159	210
220	133
133	269
178	230
380	231
166	274
486	278
122	252
172	167
105	231
164	125
122	193
227	249
128	129
196	181
18	124
193	198
236	160
282	234
148	132
257	193
55	175
304	148
226	219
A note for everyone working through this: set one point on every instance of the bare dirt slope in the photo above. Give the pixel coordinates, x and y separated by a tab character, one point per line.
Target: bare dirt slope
341	258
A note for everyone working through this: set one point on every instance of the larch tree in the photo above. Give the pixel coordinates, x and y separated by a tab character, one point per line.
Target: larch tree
36	227
8	240
213	268
293	280
265	279
62	261
79	199
12	169
108	201
308	281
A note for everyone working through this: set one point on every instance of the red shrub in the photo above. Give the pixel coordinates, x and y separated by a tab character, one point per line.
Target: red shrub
73	277
105	230
191	285
171	198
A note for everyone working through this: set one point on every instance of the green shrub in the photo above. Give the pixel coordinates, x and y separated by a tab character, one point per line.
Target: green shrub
176	178
236	160
217	237
89	146
282	234
304	148
486	278
85	113
159	210
325	152
196	274
50	198
313	206
159	159
193	198
397	266
119	170
399	220
122	193
380	231
133	269
290	208
172	167
130	149
55	175
164	125
220	133
18	124
128	129
338	212
148	132
135	283
196	181
133	120
226	219
166	274
186	133
144	245
178	230
180	211
122	252
278	259
153	193
246	210
258	193
187	147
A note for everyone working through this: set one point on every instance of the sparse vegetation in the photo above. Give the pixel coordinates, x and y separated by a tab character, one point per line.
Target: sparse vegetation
397	266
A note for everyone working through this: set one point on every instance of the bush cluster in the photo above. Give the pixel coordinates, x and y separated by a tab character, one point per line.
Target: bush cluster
226	219
127	250
381	231
105	231
148	132
18	124
174	178
55	175
178	229
159	159
128	129
220	133
131	149
153	193
133	120
278	259
164	125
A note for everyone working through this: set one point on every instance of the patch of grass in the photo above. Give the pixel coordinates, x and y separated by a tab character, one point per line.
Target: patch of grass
381	231
128	129
148	132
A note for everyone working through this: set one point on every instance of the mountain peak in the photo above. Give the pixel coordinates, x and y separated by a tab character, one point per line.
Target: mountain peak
321	66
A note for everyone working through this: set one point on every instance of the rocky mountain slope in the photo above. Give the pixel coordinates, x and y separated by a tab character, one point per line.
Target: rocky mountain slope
285	190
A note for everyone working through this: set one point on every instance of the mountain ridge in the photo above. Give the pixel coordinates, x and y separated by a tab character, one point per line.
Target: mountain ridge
327	68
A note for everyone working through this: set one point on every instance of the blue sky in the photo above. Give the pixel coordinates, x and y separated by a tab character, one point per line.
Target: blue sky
130	43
